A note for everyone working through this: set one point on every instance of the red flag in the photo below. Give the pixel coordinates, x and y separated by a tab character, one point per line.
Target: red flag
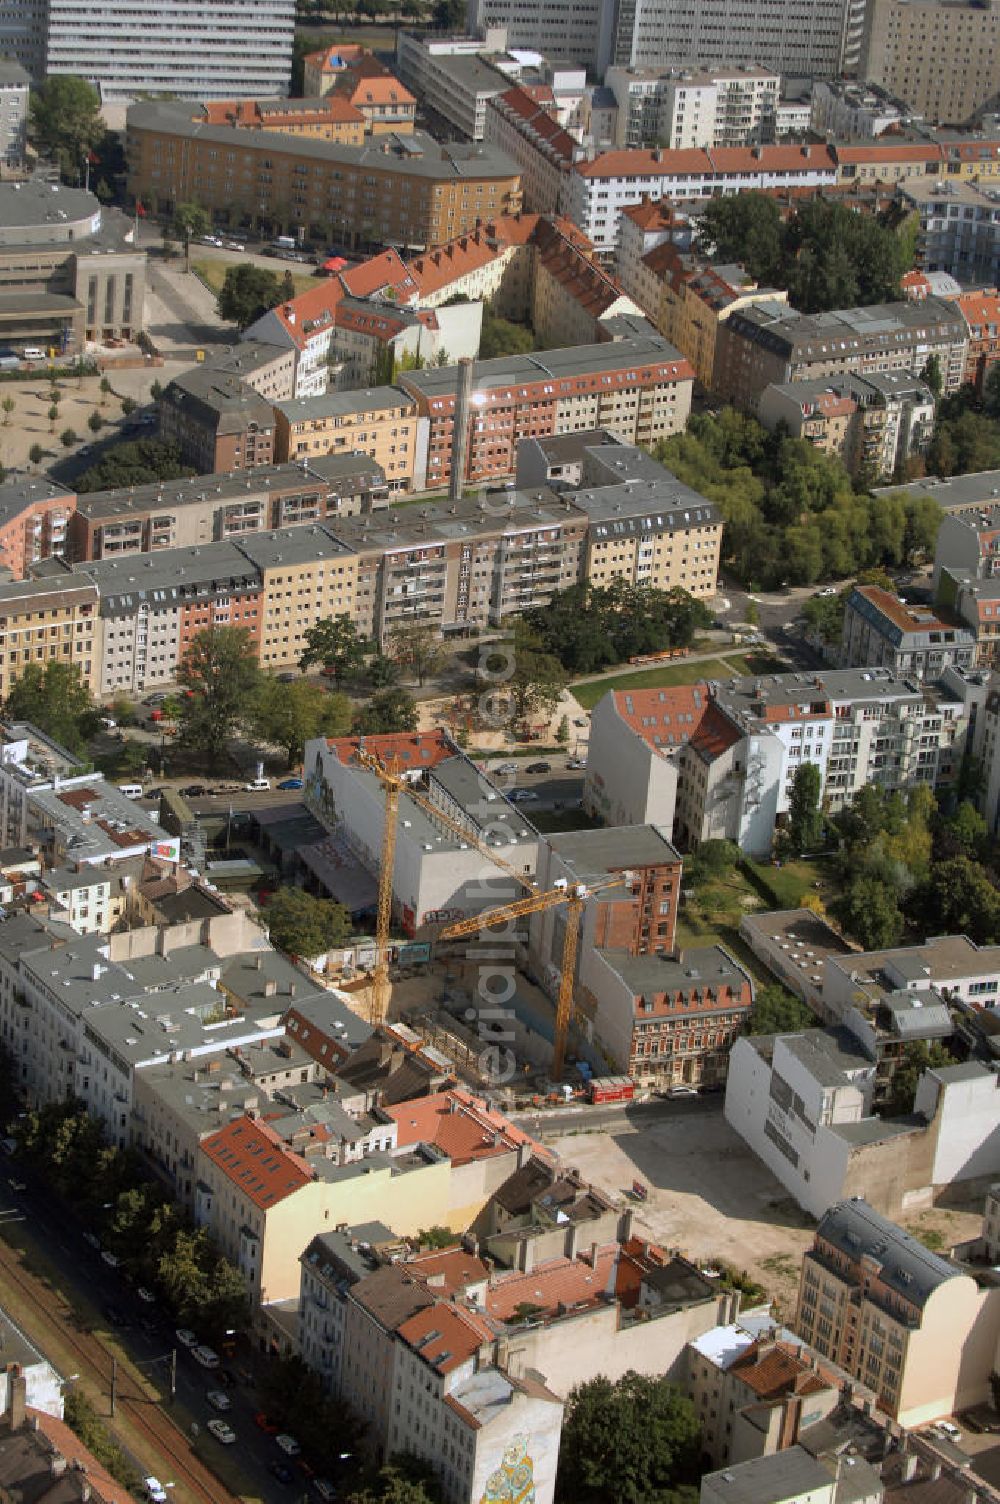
93	158
140	211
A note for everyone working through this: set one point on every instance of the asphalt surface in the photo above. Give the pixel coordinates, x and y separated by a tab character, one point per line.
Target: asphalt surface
84	1274
618	1118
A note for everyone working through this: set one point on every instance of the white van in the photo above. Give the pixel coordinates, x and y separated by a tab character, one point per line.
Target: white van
131	790
34	352
259	785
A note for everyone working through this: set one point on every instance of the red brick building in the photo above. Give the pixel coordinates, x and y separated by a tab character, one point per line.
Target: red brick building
34	514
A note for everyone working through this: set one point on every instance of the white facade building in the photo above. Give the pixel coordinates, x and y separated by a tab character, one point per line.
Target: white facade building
679	109
798	37
456	76
14	81
185	48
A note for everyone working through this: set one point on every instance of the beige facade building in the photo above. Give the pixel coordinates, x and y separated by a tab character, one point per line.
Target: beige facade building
940	56
55	620
914	1328
305	576
380	422
405	190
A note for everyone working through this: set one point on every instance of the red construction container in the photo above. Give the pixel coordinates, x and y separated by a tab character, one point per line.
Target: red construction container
611	1089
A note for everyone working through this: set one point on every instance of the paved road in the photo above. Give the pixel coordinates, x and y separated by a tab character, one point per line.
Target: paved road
148	1337
631	1116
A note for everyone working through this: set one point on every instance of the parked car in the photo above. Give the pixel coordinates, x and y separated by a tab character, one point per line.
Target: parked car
508	769
155	1491
258	785
265	1424
288	1444
233	245
206	1356
287	677
152	700
194	791
522	796
111	1259
949	1429
219	1399
222	1431
576	762
539	767
146	1296
290	783
185	1337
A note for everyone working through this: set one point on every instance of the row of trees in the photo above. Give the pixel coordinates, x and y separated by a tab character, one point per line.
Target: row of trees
826	255
135	462
589	627
111	1191
792	514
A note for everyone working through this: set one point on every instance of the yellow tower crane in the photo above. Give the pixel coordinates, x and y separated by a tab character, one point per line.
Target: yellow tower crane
574	896
394	784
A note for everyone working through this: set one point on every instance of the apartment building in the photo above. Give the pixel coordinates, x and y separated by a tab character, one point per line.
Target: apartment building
34	517
52	619
873	423
769	345
851	111
909	1324
940	57
981	311
671	541
639	388
152	604
594	193
357	78
380	422
304	575
528	133
14	82
583	31
218	423
436	875
688	299
453	76
215	508
912	642
322	69
679	109
331	118
958	230
403	189
185	51
718	760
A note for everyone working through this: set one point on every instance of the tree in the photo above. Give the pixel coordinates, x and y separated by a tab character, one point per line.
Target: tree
503	337
303	925
105	391
68	438
634	1441
56	700
53	417
289	715
449	15
389	710
868	911
247	293
128	406
36	454
917	1058
95	422
219	671
381	671
403	1480
8	406
776	1011
133	463
751	614
931	374
562	731
745	229
957	898
710	861
417	647
190	222
804	830
336	644
65	123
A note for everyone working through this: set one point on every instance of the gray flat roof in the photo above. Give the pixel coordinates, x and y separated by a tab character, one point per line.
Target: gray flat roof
417	155
770	1480
415	526
165	576
975	489
829	1055
613	848
17	494
233	485
338	404
560	364
38	203
472	72
291	545
694	967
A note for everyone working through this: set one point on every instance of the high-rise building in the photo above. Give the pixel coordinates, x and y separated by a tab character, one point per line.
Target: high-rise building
820	37
940	56
191	49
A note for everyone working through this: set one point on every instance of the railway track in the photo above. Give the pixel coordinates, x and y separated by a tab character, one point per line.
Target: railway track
95	1359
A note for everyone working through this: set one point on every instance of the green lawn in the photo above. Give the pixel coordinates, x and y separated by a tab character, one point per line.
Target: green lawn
684	672
790	882
212	271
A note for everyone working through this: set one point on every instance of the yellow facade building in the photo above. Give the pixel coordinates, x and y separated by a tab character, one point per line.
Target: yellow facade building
380	422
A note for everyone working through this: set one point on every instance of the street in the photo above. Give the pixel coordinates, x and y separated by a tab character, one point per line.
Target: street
149	1340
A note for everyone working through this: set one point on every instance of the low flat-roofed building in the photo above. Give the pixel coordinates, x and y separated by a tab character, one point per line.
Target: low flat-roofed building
789	1477
793	944
952	965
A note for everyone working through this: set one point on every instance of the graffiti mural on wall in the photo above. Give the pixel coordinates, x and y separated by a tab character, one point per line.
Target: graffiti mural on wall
514	1480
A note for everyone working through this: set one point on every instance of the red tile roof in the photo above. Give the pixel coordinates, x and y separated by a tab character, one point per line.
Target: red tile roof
69	1445
886	151
537	121
773	1369
331	109
554	1284
386	270
256	1161
664	718
652	214
334	59
457	1124
407	749
980	310
449	1270
695	162
445	1336
907	618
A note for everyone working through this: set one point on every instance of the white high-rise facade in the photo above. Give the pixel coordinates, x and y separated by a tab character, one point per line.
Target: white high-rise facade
193	49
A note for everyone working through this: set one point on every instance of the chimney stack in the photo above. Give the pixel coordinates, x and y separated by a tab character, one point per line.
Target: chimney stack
460	430
17	1401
